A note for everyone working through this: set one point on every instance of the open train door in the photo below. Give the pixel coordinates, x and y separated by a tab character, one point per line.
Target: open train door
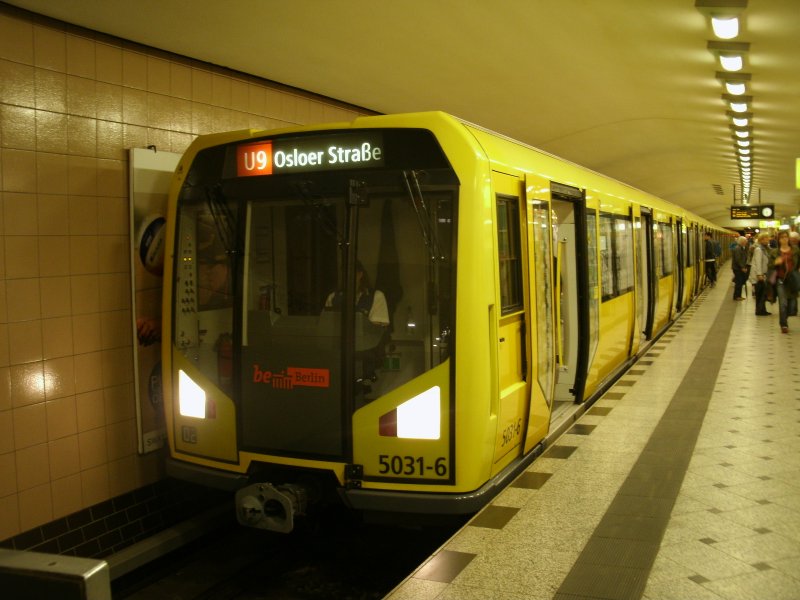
538	228
571	286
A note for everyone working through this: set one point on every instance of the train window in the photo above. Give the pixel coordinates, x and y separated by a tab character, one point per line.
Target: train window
594	282
544	306
616	255
508	246
667	255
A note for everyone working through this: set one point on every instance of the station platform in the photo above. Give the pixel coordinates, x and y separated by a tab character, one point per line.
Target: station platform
681	482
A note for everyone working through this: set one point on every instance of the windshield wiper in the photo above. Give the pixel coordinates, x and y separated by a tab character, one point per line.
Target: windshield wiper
223	218
426	225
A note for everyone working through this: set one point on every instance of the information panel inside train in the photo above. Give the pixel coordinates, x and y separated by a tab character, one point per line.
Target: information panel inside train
345	151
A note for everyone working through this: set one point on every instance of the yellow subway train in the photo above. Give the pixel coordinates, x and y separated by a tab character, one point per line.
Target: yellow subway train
400	312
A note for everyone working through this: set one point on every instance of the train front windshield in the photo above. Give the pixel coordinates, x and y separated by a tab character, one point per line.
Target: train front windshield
314	274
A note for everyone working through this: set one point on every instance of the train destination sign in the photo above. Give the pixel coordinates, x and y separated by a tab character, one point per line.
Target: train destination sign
320	153
758	211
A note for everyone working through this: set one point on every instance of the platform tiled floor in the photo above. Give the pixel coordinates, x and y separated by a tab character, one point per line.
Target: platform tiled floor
681	483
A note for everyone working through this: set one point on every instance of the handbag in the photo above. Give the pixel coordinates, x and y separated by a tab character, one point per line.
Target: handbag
792	281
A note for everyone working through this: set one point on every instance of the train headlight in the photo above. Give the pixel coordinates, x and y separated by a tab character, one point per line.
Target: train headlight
418	418
191	397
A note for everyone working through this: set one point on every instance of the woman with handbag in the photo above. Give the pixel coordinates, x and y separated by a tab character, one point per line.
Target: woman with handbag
785	260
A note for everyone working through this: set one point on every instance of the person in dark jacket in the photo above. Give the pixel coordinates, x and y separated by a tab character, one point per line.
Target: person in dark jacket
739	261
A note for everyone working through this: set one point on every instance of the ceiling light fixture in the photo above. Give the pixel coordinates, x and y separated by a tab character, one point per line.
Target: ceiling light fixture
725	28
730	54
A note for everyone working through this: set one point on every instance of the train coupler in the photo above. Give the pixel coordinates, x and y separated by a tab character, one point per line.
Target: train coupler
271	507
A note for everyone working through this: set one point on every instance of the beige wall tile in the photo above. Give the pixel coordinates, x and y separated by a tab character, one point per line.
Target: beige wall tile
256	99
119	403
5	355
122	476
53	256
52	173
114	215
22	256
82	139
121	439
88	372
17	83
8	473
53	214
87	333
65	458
159	111
117	366
35	507
109	143
85	293
25	342
6	433
134	70
80	56
16	40
5	389
9	517
30	426
240	95
59	377
49	49
19	170
91	410
112	178
22	296
93	448
17	127
62	418
81	98
51	91
33	467
114	254
94	485
82	179
51	132
27	384
67	495
57	337
180	81
202	86
116	328
158	75
20	215
3	304
56	296
83	215
134	106
115	291
108	61
83	254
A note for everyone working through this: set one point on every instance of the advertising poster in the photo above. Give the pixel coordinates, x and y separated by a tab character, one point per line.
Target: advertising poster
150	177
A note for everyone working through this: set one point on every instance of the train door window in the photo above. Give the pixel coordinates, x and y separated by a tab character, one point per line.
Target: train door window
544	307
594	281
616	255
509	256
667	249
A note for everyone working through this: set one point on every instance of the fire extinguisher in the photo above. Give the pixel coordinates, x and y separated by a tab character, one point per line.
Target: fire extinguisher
224	348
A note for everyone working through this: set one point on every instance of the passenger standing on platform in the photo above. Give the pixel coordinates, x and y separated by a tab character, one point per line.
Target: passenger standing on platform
785	259
758	273
739	266
710	260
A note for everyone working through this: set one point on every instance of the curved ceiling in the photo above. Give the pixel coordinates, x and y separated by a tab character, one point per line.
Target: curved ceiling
626	88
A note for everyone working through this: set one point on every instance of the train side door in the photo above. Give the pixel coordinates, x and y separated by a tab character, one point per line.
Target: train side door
542	365
509	320
570	276
679	279
647	275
